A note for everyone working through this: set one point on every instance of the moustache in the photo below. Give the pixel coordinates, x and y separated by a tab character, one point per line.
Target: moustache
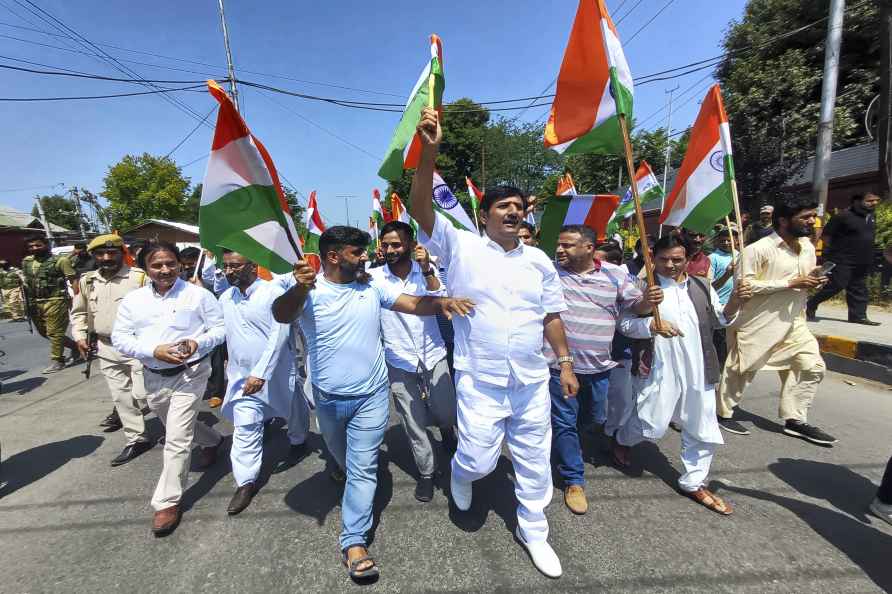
511	220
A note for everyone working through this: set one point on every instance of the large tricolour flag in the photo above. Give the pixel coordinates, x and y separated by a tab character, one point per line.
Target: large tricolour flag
448	205
702	192
315	228
243	207
593	211
594	85
405	147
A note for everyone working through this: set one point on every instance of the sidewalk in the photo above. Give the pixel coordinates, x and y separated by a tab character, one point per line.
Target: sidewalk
853	349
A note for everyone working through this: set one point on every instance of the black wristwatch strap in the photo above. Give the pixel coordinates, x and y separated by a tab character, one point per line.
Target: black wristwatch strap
430	272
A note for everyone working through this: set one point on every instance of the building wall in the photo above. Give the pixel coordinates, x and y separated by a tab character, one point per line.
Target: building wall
12	244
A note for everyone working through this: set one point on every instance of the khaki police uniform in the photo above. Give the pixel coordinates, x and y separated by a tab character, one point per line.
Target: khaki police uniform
11	292
97	302
46	283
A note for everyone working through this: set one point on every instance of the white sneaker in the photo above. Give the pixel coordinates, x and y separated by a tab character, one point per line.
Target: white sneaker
543	556
881	510
461	493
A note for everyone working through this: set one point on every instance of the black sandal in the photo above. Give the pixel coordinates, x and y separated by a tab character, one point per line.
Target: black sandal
357	574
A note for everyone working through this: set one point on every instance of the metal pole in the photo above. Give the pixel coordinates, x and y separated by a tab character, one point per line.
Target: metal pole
884	121
619	177
43	221
229	66
80	216
346	198
828	102
668	156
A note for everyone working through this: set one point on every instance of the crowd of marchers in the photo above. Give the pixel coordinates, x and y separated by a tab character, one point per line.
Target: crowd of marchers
481	336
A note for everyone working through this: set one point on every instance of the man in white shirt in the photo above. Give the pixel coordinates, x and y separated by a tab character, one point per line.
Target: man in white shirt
677	369
415	352
171	326
340	314
501	373
261	374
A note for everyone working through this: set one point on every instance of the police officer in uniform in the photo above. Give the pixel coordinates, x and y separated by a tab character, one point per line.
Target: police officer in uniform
11	290
94	311
46	281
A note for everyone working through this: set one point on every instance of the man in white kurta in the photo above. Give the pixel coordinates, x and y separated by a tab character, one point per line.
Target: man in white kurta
501	373
680	382
261	373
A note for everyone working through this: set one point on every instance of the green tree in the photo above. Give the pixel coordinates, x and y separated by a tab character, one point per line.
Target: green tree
144	187
60	211
772	87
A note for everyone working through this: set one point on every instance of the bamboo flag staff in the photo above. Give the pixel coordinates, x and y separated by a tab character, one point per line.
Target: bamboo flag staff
593	101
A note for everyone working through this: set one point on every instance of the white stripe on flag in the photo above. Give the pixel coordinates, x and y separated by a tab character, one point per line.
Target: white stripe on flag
236	165
578	210
708	176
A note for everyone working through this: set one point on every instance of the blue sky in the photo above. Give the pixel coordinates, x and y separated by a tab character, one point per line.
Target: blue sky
493	50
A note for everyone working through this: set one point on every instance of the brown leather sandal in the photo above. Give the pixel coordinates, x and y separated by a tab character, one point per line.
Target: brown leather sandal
710	500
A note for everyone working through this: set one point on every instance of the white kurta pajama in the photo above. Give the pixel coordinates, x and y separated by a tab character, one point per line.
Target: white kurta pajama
676	388
501	374
260	347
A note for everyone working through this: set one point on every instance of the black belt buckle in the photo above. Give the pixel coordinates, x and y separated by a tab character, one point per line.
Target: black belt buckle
172	371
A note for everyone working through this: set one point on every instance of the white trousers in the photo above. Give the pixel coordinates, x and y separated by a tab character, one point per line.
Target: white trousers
620	396
696	455
521	416
175	400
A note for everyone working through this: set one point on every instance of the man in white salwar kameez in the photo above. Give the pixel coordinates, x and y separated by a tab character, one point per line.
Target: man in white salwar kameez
261	374
683	369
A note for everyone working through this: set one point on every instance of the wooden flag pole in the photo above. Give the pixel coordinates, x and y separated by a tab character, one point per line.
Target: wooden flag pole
639	214
731	236
431	84
736	201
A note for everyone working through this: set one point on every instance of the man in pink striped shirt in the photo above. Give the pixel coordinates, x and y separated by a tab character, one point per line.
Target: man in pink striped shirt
596	293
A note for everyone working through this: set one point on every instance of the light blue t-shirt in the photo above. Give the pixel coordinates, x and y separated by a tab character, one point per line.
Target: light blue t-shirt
342	326
719	261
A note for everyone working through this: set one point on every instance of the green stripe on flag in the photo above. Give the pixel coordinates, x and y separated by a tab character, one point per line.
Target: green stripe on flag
714	207
621	95
552	221
606	139
452	219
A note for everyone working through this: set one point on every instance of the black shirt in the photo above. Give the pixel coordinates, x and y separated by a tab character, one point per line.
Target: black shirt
850	234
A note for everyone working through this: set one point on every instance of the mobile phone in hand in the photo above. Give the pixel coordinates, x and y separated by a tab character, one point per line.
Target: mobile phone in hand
824	270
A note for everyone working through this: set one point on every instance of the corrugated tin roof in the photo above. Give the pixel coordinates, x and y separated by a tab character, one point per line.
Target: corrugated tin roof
10	217
855	160
173	224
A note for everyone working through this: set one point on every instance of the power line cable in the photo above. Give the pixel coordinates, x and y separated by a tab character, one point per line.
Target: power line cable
85	97
622	18
189	135
645	25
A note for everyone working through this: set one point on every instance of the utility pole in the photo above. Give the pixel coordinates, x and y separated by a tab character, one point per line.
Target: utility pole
884	121
43	221
229	66
346	198
828	102
668	142
619	177
80	216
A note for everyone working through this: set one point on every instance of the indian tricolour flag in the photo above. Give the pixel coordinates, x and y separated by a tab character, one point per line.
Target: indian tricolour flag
565	186
448	205
593	87
593	211
405	147
315	228
648	189
398	211
243	207
475	194
702	192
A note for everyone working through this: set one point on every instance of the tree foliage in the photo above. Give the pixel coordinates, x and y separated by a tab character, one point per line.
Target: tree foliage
772	87
145	187
60	211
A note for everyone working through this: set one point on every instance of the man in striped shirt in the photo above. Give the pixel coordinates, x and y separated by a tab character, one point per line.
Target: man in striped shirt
596	293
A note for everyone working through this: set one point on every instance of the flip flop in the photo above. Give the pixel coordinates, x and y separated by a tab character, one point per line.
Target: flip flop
360	574
710	501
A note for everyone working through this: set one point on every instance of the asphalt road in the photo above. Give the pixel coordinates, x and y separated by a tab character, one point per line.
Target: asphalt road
70	523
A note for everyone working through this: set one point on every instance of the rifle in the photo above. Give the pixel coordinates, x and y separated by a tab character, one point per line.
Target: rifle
27	307
92	346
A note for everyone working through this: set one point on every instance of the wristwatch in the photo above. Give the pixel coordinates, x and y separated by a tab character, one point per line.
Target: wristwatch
430	272
565	359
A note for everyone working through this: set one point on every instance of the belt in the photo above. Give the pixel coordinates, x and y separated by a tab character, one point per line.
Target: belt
172	371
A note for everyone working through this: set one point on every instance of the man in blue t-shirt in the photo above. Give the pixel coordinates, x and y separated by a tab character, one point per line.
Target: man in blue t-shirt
721	263
339	312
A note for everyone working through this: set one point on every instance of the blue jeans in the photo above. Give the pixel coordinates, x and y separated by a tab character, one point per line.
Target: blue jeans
353	429
589	407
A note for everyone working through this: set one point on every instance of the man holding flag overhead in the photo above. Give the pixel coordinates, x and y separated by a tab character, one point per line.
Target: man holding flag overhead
501	373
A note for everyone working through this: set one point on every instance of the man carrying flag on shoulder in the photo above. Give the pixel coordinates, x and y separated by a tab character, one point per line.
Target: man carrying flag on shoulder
501	374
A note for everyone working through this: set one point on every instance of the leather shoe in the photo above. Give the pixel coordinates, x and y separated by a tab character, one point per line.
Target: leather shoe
424	490
111	420
132	451
166	520
574	499
241	499
542	555
207	457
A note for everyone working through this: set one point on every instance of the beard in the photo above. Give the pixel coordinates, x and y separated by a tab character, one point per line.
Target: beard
355	271
801	231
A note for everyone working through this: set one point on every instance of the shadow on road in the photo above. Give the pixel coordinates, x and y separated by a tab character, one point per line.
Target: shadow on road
10	373
30	466
757	421
848	492
23	386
